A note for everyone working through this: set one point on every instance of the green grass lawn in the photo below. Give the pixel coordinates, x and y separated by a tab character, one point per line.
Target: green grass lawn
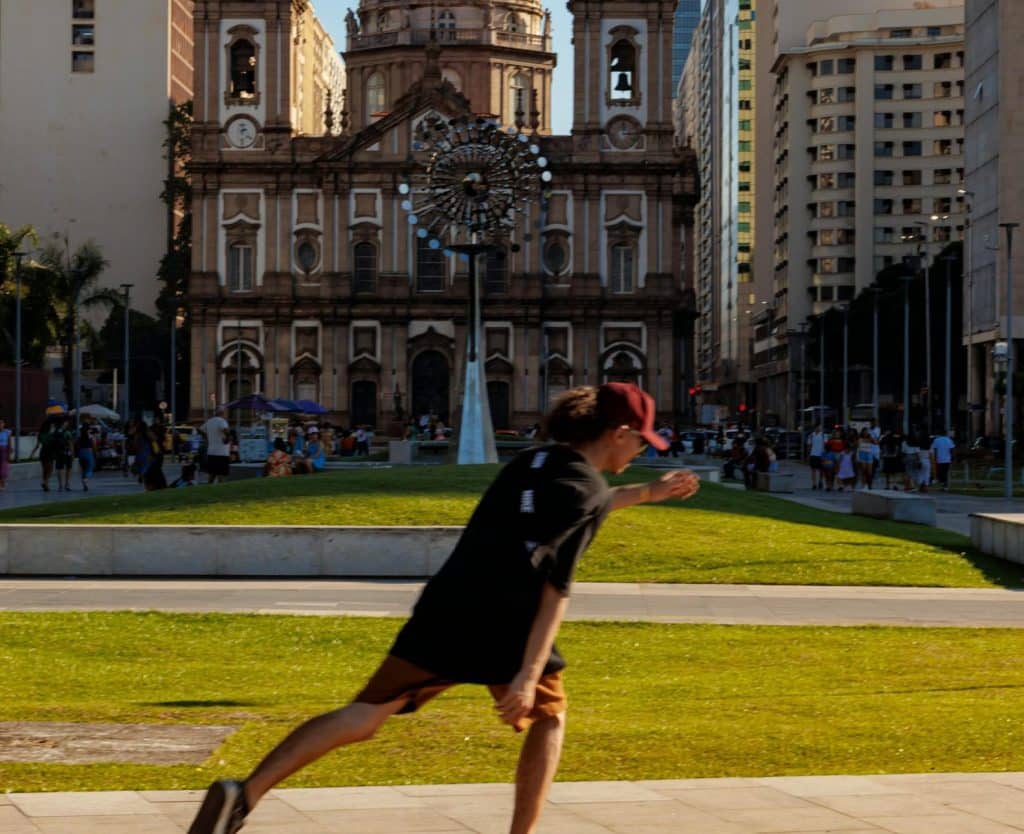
646	701
720	536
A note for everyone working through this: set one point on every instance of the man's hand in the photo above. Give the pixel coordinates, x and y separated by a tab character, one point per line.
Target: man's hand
680	484
518	701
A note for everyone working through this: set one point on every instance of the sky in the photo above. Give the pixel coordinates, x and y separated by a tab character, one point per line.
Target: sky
332	15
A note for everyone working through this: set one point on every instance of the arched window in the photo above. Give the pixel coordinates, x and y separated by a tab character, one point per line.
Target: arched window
496	275
446	20
517	102
622	80
622	268
365	272
243	69
430	264
376	96
514	23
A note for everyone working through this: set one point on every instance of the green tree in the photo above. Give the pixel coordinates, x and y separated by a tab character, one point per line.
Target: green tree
70	282
11	241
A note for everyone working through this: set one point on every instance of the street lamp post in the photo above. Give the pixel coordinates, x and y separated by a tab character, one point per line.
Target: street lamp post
126	290
821	368
846	364
946	396
874	352
969	276
76	356
906	354
1008	451
923	241
18	258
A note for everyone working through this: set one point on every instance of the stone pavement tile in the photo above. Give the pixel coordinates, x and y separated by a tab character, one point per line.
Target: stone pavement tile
812	786
699	784
569	792
124	824
106	803
885	805
554	821
778	820
329	799
995	811
646	817
9	815
180	813
482	789
737	799
951	824
982	790
384	821
173	796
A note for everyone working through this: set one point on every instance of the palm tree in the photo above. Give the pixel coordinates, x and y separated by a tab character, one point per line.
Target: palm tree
72	288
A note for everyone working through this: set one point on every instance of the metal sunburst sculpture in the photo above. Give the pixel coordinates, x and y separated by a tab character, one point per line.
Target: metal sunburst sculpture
479	178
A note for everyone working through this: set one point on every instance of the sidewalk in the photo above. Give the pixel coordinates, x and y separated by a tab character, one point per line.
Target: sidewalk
779	605
941	803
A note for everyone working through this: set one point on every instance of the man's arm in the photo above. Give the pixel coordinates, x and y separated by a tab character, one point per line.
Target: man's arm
680	484
518	701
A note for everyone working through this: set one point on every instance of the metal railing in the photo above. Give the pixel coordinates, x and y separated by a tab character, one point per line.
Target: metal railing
421	37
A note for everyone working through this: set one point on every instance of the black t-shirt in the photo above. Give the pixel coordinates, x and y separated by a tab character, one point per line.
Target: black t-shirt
473	619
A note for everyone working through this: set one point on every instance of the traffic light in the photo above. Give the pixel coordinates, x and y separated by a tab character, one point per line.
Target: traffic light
743	408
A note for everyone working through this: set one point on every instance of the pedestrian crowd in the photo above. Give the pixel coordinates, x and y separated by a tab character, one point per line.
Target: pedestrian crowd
846	459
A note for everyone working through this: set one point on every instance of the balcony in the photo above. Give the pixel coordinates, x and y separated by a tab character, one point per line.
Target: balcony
457	37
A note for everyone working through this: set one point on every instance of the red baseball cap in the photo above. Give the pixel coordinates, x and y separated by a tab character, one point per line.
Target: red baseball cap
623	404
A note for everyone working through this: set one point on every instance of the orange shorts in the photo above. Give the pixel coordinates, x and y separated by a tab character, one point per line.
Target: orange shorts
398	679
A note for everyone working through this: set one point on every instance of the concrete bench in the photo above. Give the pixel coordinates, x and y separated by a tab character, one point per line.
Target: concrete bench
999	534
897	506
774	482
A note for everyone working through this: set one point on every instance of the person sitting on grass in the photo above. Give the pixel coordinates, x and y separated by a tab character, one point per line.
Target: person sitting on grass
314	458
491	614
279	463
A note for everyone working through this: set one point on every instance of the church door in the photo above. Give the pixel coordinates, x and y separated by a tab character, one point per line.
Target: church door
364	403
430	382
498	399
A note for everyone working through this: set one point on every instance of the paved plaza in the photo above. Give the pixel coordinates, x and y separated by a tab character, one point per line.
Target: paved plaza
975	803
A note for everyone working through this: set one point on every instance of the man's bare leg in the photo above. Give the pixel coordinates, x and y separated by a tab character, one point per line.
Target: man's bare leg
538	762
315	738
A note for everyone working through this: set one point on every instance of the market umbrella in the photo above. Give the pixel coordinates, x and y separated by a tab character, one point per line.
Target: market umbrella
310	407
55	407
252	402
100	411
280	404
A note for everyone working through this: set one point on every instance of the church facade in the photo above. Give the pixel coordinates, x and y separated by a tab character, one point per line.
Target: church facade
308	281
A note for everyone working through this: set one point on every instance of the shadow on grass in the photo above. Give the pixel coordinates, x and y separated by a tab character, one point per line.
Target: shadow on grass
998	571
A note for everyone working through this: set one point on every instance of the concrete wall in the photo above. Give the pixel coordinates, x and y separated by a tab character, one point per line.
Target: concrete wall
167	550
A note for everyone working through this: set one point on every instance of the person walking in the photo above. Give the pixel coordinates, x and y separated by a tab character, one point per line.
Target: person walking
834	447
6	444
491	614
845	471
218	446
942	453
85	450
155	438
867	453
63	445
815	452
892	457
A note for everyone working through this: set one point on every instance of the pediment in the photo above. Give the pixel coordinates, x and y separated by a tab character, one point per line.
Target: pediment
424	99
428	340
499	365
364	365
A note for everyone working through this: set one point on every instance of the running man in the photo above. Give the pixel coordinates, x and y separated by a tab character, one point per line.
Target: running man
491	614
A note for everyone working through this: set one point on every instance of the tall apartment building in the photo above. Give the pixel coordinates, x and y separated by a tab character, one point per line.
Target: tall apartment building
869	135
85	86
720	95
685	24
995	148
320	77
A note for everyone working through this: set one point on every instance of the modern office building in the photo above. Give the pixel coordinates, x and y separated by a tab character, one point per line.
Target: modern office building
994	152
85	86
868	159
721	98
686	21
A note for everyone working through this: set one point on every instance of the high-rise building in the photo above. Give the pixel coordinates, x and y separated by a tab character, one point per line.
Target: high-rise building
719	117
85	87
868	159
686	21
995	149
